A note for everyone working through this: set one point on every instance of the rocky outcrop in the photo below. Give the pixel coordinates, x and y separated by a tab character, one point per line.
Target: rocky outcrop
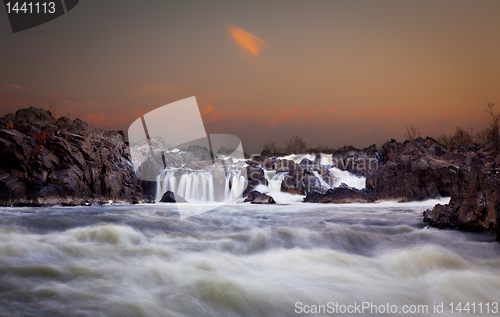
414	171
338	195
307	176
475	208
44	161
415	179
255	175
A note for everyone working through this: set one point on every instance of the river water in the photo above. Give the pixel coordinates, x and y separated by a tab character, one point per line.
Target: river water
239	260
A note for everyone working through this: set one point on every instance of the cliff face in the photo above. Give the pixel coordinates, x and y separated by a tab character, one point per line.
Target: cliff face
44	161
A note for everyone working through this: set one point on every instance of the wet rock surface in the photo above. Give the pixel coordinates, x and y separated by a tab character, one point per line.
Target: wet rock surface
413	171
252	195
338	195
410	171
263	199
475	208
170	197
44	161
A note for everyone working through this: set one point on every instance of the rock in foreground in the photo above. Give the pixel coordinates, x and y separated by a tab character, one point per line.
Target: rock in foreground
476	208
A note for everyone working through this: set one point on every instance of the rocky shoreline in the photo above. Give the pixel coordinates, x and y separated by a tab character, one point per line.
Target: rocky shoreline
46	161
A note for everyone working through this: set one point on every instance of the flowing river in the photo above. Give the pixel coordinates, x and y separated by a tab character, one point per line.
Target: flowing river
242	260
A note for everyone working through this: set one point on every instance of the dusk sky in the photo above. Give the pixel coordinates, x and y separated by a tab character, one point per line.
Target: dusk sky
333	72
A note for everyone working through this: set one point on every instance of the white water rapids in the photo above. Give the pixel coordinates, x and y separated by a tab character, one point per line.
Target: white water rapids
238	260
199	186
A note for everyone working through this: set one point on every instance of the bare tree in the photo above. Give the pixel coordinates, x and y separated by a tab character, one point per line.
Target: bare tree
52	108
412	132
272	147
462	136
296	145
494	125
483	136
445	140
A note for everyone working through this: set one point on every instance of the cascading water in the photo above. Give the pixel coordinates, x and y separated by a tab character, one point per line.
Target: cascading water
274	180
226	182
347	178
201	186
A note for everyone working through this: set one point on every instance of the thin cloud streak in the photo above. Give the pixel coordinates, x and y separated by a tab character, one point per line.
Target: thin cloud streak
246	40
11	85
355	114
208	110
283	117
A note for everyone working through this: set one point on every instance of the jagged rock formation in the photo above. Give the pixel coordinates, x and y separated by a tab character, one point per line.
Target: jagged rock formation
412	171
416	170
44	161
475	208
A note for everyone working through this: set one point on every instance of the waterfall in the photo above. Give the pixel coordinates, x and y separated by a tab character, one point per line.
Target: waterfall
326	159
200	186
238	185
274	180
348	178
321	180
228	183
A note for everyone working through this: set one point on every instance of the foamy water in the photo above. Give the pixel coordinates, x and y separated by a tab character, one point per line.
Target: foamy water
239	260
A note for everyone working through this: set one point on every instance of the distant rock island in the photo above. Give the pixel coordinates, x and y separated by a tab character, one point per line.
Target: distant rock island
46	161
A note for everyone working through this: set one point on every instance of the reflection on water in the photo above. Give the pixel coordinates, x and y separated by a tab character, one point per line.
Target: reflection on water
239	260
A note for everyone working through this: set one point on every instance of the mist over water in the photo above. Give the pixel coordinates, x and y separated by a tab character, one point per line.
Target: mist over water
238	260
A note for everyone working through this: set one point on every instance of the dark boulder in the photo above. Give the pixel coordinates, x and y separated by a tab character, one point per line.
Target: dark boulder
307	163
263	199
170	197
252	195
268	163
338	195
255	176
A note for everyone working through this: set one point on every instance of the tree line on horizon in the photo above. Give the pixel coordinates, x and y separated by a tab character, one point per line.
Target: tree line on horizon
462	137
489	136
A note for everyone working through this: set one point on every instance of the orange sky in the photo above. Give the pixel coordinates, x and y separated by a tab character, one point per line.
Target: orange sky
334	72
